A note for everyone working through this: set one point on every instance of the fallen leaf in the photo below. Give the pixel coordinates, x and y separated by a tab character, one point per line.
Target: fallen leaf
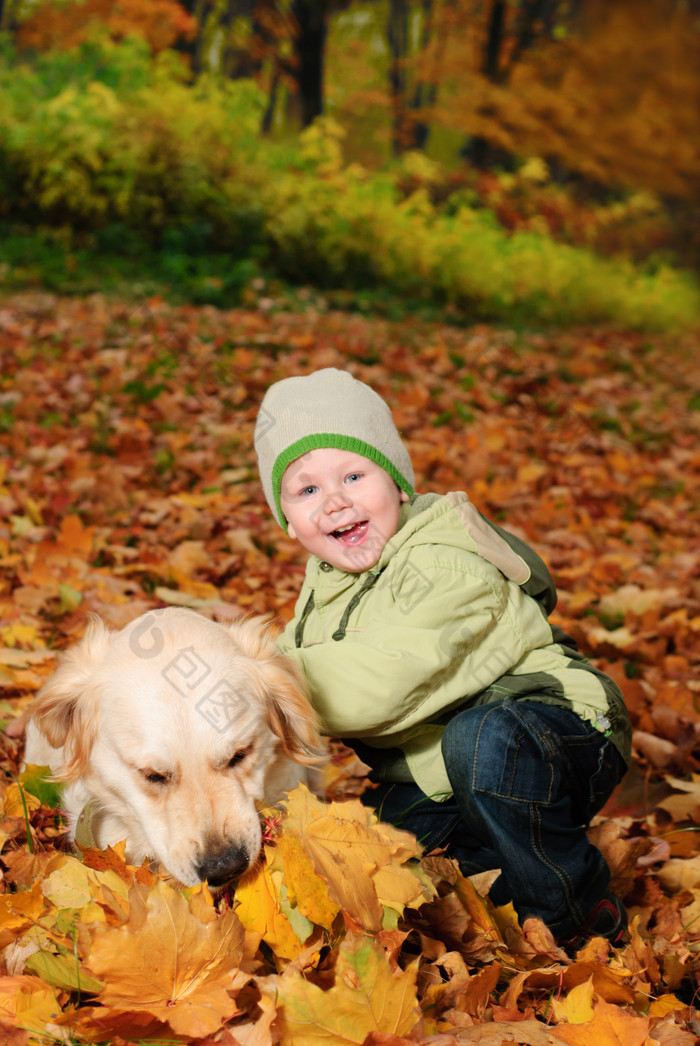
366	997
177	965
609	1026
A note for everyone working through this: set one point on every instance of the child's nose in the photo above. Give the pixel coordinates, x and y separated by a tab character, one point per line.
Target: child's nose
337	501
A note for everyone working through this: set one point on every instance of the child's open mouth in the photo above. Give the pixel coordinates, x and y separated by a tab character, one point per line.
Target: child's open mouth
352	534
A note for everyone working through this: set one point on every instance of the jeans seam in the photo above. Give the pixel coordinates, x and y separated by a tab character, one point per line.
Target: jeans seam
524	800
561	873
503	748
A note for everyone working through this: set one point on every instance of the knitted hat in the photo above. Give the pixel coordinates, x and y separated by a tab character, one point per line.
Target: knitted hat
329	408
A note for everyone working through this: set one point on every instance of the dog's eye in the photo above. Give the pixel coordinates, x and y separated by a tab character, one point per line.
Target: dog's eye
239	756
153	777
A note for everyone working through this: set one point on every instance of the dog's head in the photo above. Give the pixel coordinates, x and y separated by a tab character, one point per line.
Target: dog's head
181	728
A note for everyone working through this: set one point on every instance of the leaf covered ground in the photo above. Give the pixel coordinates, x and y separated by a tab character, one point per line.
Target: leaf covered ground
128	481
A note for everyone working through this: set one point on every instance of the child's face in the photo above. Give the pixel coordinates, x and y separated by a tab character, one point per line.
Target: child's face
341	506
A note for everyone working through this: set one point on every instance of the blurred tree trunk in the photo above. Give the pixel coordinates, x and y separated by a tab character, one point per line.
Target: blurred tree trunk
397	36
193	47
504	47
426	91
268	25
216	37
311	17
8	11
415	70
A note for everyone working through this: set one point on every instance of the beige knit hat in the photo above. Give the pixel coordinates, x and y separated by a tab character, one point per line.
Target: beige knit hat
328	408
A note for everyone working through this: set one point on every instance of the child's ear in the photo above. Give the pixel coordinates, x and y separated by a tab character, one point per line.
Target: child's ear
403	496
291	531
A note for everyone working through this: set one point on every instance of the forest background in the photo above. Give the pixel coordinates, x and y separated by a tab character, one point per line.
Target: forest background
489	212
501	160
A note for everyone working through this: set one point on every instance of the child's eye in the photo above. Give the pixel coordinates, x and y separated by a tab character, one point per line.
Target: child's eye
309	490
353	477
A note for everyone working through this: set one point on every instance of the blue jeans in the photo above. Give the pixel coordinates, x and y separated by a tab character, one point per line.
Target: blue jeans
527	779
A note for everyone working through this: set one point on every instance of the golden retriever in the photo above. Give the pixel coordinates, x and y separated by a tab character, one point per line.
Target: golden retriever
170	734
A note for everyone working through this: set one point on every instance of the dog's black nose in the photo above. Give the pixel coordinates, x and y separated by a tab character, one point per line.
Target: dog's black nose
221	868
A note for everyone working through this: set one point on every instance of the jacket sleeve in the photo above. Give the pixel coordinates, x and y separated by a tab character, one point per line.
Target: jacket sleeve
423	650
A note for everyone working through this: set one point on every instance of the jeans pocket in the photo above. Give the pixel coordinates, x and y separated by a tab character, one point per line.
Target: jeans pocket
517	756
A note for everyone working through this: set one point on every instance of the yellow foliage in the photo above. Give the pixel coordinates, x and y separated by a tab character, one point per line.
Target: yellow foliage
18	801
320	145
361	860
305	888
258	908
608	1026
68	883
367	997
27	1002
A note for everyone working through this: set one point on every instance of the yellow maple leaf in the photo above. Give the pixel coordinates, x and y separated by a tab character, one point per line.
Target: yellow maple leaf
398	888
179	962
21	634
19	802
258	909
19	911
348	846
27	1002
366	997
664	1005
68	883
609	1026
305	888
577	1007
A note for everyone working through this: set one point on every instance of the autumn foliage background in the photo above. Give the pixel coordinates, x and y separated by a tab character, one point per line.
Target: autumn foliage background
498	232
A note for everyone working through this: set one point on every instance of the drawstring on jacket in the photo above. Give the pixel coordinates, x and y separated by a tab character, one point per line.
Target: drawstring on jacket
343	626
299	630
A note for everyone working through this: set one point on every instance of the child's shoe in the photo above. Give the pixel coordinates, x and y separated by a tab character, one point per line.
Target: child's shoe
608	919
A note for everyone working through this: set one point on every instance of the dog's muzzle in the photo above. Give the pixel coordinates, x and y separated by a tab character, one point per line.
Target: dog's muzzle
223	867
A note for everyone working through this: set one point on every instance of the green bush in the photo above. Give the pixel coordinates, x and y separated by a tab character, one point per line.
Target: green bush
121	169
350	230
136	146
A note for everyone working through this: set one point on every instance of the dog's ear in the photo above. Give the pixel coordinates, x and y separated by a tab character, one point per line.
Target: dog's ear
282	690
62	709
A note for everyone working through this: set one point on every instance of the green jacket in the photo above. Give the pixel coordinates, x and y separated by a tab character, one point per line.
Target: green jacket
454	614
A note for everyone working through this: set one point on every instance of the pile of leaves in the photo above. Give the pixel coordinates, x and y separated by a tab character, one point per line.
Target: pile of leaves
128	482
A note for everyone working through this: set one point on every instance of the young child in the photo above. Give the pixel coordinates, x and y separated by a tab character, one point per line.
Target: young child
422	631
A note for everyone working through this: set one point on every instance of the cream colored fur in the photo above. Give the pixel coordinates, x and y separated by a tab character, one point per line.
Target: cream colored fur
181	728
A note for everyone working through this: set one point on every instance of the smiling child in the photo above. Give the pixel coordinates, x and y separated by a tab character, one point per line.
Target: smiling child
423	633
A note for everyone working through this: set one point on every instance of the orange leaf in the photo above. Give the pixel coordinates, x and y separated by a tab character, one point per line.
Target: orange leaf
610	1026
177	963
